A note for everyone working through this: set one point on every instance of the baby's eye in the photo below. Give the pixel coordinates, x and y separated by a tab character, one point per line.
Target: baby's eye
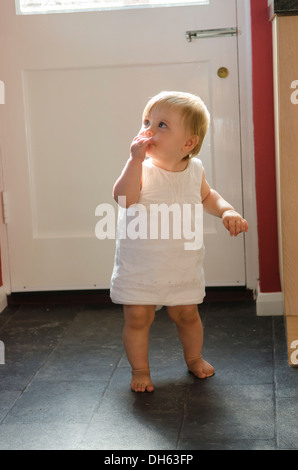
162	124
146	123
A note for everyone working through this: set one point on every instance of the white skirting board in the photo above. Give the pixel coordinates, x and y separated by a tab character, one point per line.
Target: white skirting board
3	299
269	303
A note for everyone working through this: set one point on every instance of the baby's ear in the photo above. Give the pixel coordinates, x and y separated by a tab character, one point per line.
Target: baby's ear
191	143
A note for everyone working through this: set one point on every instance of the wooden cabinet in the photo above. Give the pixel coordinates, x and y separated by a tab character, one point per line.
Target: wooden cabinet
285	48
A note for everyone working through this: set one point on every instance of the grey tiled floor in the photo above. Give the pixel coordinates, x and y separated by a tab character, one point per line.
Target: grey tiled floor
65	383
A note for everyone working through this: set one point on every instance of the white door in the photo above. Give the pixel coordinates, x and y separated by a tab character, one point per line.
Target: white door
75	87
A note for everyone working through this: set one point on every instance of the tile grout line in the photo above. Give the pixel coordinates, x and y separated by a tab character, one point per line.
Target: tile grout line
189	388
26	387
6	322
15	401
97	407
183	414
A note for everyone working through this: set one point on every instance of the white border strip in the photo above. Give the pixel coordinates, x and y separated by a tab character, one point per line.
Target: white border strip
3	299
247	141
38	7
269	303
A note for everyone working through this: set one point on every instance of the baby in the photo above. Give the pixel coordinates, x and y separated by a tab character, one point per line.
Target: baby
150	272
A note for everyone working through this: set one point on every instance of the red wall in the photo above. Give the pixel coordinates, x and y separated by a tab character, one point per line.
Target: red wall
263	116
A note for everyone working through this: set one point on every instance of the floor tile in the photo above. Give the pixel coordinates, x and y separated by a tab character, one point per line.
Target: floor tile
229	412
76	362
228	444
286	378
56	402
40	436
244	367
287	412
21	367
131	431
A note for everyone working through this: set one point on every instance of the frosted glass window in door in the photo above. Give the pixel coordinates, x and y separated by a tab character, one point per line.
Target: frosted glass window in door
50	6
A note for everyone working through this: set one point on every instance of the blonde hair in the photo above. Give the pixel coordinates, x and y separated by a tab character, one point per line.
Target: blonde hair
195	115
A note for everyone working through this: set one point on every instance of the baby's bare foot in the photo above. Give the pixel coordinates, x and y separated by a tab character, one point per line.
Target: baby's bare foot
200	368
141	381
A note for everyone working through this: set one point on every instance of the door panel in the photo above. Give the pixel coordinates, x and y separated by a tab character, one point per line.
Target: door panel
78	83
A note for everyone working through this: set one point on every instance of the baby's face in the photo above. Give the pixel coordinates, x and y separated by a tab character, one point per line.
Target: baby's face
165	126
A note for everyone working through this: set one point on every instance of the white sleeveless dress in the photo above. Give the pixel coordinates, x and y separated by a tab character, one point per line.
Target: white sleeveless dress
158	271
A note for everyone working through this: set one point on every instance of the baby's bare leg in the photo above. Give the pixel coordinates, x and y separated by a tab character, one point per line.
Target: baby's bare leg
190	332
138	320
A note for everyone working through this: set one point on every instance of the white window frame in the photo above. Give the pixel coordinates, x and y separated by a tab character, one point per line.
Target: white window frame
91	5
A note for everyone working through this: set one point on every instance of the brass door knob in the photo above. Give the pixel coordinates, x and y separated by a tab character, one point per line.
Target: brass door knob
223	72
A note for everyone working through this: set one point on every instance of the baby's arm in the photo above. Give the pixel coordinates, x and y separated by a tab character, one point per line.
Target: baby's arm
129	182
214	204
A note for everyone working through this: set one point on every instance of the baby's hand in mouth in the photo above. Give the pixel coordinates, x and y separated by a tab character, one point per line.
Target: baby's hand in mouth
139	145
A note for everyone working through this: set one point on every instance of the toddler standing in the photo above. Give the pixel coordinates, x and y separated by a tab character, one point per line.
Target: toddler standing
157	271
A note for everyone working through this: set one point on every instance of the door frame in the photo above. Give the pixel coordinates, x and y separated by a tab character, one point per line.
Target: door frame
247	141
247	147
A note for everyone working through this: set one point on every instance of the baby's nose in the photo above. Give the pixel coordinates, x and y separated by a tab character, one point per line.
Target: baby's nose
149	131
